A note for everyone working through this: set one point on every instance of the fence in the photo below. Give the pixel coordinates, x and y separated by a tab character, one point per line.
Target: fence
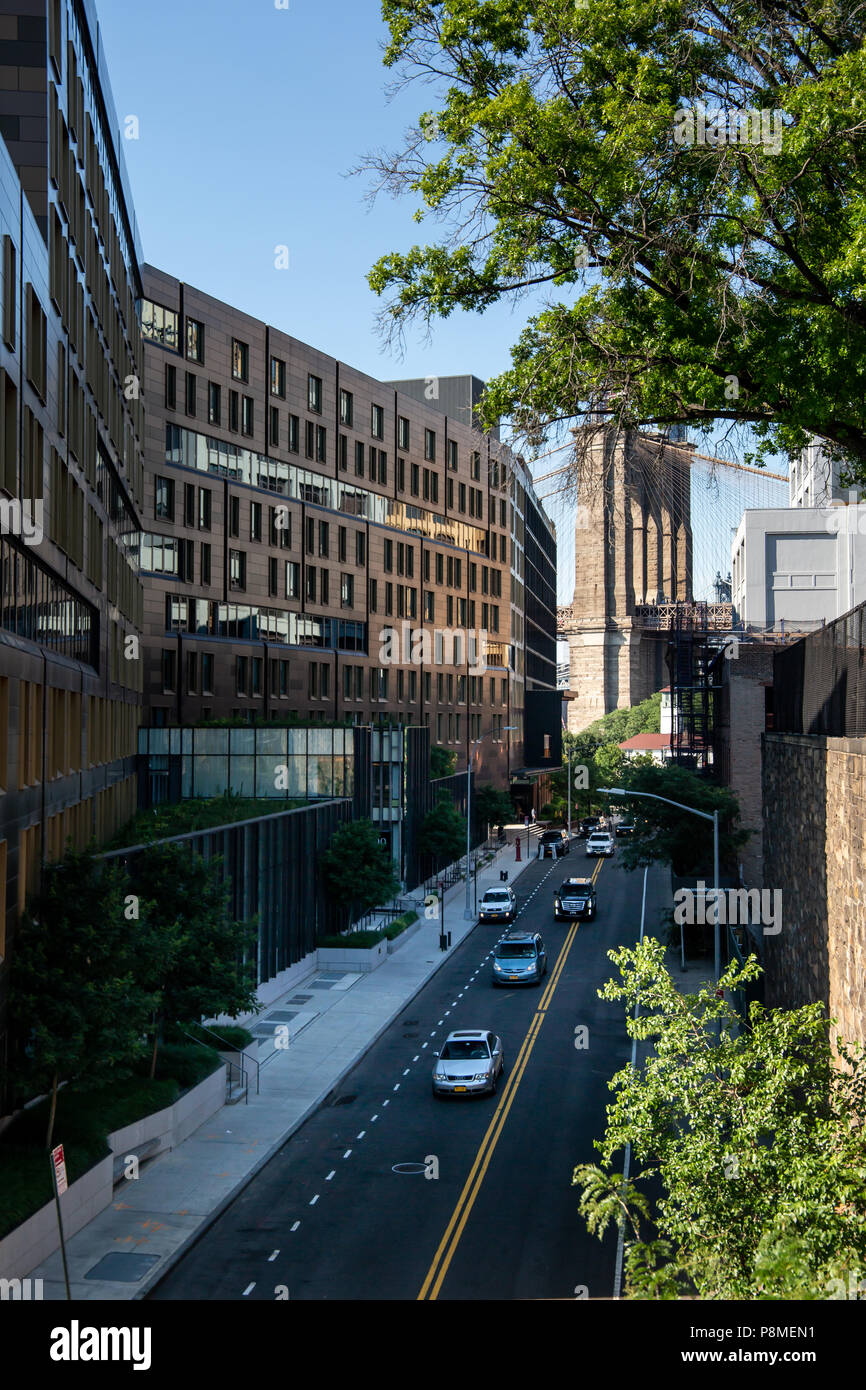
819	683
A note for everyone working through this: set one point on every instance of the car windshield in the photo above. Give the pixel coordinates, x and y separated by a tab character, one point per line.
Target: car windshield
573	890
465	1050
495	897
516	950
550	836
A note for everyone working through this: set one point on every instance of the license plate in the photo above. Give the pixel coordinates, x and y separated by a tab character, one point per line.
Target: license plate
514	977
460	1088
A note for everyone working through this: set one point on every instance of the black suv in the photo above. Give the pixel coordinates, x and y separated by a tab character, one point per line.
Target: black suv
587	825
575	898
554	843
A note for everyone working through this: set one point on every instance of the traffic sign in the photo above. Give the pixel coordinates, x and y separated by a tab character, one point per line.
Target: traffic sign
60	1183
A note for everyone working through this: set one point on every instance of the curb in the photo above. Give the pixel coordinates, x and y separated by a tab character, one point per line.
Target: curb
152	1281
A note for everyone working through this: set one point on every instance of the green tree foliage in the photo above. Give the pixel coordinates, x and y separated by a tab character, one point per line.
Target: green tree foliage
665	835
357	871
195	958
620	724
696	283
443	761
758	1144
443	833
490	806
76	1000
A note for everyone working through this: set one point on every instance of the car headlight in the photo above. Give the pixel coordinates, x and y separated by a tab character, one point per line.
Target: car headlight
497	966
480	1076
557	903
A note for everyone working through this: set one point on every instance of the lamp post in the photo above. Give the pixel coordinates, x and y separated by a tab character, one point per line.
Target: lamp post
468	914
705	815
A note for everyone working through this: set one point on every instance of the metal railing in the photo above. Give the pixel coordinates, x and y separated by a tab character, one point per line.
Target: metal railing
227	1047
229	1065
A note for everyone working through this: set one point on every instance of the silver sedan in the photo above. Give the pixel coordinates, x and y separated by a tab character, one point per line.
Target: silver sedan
470	1063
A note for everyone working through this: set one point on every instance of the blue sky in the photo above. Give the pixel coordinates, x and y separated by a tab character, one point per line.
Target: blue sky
250	118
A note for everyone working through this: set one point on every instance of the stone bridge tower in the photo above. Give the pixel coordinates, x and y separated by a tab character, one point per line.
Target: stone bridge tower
633	546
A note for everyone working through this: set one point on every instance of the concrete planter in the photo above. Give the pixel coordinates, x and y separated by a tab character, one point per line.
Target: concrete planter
361	958
36	1238
165	1129
406	935
249	1055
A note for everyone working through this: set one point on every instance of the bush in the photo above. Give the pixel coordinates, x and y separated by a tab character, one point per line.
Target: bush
231	1034
400	924
351	940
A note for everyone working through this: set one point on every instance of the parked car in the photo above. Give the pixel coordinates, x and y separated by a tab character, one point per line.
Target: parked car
470	1063
600	842
575	899
519	959
587	825
554	843
497	905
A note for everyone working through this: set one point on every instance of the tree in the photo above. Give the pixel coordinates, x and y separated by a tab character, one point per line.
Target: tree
620	724
77	1001
758	1144
666	835
197	959
357	870
443	832
490	806
442	761
703	267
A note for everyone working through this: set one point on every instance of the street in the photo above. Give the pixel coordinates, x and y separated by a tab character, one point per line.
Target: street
330	1218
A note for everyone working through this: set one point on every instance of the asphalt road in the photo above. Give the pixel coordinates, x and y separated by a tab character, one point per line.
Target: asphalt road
329	1218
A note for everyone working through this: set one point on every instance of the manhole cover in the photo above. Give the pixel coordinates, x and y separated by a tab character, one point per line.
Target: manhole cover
122	1268
344	1100
409	1168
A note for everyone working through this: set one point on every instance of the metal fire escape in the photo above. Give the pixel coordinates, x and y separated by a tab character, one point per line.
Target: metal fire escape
691	658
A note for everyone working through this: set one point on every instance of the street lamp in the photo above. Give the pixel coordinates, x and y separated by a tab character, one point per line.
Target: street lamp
705	815
468	914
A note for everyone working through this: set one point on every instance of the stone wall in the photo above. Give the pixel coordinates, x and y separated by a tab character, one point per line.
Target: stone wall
741	724
814	839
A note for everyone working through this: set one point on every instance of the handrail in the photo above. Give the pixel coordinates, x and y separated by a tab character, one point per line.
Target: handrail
229	1064
227	1047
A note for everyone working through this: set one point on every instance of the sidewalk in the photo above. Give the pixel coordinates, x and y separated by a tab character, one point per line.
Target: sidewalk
339	1016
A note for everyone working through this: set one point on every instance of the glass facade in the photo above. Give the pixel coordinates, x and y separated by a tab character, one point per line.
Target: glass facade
39	606
202	618
186	449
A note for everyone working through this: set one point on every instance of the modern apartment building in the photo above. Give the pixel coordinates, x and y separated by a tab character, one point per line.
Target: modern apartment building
319	543
71	436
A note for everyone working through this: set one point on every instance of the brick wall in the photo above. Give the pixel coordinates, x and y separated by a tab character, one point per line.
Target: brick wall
814	833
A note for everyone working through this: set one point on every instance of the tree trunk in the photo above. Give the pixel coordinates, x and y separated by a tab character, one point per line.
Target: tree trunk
52	1112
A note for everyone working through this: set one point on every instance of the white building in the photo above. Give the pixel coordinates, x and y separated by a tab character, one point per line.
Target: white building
814	482
801	566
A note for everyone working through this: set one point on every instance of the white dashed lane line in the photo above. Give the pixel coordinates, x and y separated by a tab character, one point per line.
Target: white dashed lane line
406	1072
330	1175
346	1154
361	1135
249	1288
387	1102
272	1257
373	1118
296	1225
314	1200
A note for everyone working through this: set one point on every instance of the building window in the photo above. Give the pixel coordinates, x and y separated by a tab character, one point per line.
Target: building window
429	444
389	556
314	394
294	434
347	408
377	422
321	444
347	591
274	433
207	673
344	453
159	324
205	564
278	378
204	509
237	569
240	360
403	433
324	587
190	393
414	479
169	666
170	387
475	466
359	458
452	454
310	440
324	539
255	521
373	596
462	497
214	403
241	669
194	340
234	516
164	505
234	411
257	669
360	548
293	579
247	415
311	583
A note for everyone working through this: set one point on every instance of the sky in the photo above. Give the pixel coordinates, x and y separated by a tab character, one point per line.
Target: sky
249	119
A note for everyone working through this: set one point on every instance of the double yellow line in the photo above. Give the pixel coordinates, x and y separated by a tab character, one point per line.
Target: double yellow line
465	1202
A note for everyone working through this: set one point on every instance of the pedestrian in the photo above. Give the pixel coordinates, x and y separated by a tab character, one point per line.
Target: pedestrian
533	815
